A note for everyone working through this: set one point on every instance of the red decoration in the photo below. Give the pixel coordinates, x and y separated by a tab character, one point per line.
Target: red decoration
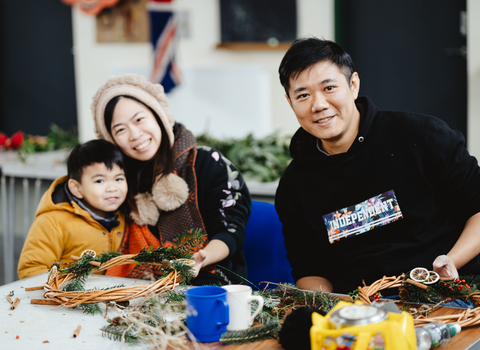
13	142
16	140
3	139
91	7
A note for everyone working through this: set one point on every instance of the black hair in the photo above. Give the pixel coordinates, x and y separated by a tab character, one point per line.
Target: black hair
305	52
91	152
141	175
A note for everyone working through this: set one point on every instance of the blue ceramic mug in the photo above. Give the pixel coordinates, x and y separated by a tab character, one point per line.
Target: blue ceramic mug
207	312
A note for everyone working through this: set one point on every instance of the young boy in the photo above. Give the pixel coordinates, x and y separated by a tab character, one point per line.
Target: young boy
78	212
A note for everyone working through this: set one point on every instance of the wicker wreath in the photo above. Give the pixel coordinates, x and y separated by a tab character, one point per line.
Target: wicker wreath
467	318
55	282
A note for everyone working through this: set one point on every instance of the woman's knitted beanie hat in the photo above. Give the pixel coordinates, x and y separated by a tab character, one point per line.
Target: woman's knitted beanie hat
152	95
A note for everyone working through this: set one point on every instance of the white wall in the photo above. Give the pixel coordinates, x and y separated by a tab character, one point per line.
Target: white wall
95	62
473	76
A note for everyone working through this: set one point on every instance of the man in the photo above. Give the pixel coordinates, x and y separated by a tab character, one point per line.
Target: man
370	193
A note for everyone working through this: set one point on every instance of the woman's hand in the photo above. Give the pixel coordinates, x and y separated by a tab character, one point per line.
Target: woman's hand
199	258
213	252
445	267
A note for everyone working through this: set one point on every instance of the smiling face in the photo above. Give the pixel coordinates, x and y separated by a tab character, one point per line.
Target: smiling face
102	190
135	130
324	103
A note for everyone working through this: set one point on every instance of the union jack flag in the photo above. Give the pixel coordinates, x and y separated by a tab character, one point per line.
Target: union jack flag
164	29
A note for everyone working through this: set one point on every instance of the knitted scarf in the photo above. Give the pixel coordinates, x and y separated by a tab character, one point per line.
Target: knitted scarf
170	224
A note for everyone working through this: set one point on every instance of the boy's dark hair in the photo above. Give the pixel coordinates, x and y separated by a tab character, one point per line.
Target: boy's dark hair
306	52
91	152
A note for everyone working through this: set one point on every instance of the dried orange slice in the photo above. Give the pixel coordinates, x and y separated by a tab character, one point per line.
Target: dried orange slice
432	277
90	252
419	274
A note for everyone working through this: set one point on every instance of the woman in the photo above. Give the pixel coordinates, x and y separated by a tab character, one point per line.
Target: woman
174	186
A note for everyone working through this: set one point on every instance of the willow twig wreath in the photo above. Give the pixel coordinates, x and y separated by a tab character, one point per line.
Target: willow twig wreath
414	288
65	286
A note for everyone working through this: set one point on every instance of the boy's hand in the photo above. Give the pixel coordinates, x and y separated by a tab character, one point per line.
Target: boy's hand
199	258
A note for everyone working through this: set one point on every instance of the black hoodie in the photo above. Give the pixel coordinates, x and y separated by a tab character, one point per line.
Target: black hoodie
415	164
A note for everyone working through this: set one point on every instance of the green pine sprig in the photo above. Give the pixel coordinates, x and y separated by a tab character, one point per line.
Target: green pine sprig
287	296
268	331
117	332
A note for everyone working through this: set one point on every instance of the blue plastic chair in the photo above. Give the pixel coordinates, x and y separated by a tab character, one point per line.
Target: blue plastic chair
264	248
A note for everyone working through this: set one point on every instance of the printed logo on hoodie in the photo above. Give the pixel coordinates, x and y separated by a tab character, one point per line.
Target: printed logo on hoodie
356	219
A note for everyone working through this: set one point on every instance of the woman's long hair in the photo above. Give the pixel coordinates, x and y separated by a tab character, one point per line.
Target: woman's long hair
141	175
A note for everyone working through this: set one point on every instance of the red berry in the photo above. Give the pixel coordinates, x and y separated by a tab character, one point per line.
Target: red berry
18	337
449	287
459	288
463	281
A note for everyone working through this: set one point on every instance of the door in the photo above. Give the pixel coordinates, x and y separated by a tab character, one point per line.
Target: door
37	81
410	54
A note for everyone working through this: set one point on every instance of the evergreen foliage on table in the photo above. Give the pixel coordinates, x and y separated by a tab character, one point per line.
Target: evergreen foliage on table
267	331
57	139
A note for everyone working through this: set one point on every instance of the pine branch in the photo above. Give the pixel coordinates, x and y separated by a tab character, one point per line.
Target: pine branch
268	331
175	297
116	333
91	308
190	240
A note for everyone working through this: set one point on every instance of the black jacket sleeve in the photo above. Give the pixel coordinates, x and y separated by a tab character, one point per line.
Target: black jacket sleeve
224	199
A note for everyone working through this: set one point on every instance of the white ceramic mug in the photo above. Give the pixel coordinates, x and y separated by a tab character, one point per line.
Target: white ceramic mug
239	299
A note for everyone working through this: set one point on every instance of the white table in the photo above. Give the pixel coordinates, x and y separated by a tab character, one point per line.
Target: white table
36	323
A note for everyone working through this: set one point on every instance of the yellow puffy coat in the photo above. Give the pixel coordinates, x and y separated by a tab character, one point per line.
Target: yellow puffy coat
61	230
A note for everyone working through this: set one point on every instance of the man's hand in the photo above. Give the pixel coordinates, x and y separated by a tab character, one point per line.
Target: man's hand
315	283
445	267
199	258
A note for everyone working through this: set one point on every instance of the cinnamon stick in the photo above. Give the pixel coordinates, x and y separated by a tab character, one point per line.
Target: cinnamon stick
77	331
29	289
43	302
76	258
9	300
418	284
14	304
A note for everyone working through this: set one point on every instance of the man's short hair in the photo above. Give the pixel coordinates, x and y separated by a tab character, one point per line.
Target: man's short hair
91	152
305	52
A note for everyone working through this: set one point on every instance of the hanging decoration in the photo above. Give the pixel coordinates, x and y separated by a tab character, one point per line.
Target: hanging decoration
164	37
91	7
127	21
